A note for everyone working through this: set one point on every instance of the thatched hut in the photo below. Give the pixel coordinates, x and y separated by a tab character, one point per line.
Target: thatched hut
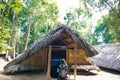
109	56
61	43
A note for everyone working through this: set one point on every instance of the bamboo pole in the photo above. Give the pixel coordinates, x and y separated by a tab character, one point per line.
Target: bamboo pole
49	64
75	63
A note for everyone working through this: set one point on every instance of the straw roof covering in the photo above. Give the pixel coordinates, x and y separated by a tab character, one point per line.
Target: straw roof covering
77	41
109	56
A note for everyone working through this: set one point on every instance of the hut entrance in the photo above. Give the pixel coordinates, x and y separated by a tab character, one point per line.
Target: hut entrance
56	55
59	54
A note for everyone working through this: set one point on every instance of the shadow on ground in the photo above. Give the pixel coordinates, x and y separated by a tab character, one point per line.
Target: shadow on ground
82	72
110	70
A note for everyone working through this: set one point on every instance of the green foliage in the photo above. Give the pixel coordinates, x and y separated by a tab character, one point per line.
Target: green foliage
77	19
108	31
102	4
40	16
43	16
100	35
15	5
8	11
4	35
113	22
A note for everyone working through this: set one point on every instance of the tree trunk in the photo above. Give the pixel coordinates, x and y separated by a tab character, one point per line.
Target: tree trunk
14	46
0	17
27	35
11	40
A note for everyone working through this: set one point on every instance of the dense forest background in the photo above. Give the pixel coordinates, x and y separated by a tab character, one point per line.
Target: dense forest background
24	21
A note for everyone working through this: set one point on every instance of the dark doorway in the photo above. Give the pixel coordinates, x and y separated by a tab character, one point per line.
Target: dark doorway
56	55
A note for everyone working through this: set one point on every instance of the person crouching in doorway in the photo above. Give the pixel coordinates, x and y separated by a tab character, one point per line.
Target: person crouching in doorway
62	70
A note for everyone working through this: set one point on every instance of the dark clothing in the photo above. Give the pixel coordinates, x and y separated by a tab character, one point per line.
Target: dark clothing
62	67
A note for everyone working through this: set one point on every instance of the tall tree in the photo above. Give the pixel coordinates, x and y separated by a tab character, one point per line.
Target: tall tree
30	22
8	9
42	17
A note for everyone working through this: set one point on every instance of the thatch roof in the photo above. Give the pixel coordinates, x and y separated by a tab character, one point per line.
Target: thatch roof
109	56
49	38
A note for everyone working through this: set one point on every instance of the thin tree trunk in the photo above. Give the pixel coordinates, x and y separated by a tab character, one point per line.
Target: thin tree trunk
27	35
47	25
0	22
11	40
46	28
0	17
1	13
18	45
14	40
12	29
14	45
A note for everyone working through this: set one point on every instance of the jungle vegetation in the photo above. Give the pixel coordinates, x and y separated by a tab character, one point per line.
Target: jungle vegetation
24	21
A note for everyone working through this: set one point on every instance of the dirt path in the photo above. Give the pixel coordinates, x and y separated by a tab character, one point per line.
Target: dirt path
102	75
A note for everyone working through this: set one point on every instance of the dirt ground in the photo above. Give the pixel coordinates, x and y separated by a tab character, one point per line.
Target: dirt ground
104	74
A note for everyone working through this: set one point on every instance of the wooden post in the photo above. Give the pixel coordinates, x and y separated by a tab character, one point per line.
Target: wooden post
68	63
45	60
75	63
49	64
67	59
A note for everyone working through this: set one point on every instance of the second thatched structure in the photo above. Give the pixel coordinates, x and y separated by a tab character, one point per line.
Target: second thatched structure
109	56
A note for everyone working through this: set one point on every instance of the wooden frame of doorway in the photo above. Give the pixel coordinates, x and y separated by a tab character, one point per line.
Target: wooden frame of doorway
49	60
